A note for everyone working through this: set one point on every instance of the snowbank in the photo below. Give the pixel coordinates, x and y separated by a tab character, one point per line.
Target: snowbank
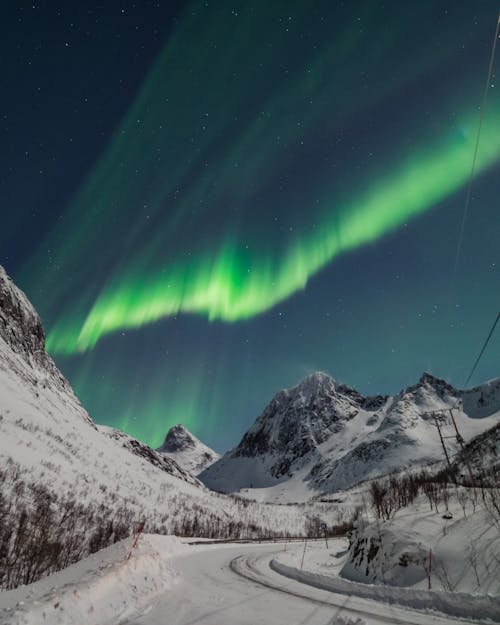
454	604
465	545
103	588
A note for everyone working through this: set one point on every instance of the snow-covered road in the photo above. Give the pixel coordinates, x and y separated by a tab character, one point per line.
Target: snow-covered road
228	585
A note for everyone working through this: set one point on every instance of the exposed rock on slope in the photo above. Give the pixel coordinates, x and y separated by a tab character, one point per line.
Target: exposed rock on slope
22	331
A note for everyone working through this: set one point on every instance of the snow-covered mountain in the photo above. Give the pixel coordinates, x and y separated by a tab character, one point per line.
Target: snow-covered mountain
322	436
187	450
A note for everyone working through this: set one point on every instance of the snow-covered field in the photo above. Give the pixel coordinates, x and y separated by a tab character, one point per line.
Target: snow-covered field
166	581
329	569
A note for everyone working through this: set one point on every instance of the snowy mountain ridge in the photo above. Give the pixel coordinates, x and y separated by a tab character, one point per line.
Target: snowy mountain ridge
187	450
323	436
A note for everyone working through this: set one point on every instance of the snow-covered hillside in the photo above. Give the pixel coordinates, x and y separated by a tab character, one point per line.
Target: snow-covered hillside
460	531
322	436
67	488
187	450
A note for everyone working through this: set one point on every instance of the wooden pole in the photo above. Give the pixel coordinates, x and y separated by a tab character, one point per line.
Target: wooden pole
430	569
460	441
140	529
303	553
441	439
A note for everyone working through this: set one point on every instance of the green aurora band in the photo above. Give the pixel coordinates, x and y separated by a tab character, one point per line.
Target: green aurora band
235	101
236	283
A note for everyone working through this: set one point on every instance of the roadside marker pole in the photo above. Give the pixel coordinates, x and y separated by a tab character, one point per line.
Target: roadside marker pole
303	553
139	531
430	568
324	527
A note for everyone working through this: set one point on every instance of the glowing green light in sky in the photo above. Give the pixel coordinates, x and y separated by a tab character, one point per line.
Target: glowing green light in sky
235	283
236	123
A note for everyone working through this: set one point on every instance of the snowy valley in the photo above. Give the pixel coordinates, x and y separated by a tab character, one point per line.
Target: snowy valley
322	461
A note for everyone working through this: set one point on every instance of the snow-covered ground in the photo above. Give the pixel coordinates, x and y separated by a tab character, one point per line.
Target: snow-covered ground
326	568
104	588
179	584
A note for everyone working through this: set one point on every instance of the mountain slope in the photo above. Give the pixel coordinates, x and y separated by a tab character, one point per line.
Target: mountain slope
140	449
322	436
187	450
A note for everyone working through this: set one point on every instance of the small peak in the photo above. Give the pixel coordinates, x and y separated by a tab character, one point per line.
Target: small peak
315	381
178	438
179	428
437	384
427	378
431	380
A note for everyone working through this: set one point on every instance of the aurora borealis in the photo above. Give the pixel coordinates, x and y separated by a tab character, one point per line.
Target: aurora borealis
270	189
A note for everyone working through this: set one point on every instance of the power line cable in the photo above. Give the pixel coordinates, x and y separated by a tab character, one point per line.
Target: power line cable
476	148
490	334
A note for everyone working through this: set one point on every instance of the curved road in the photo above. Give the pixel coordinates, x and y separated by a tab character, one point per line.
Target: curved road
233	585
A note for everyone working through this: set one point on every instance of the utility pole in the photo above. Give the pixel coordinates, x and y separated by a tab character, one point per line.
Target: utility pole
441	437
457	436
429	571
460	441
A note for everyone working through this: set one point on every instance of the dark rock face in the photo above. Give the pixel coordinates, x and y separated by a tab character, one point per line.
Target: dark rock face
20	326
299	419
22	330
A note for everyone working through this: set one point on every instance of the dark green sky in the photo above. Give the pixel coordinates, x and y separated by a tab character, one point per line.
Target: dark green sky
207	201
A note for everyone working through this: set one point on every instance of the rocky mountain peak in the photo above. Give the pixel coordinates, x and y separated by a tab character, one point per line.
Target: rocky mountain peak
187	450
298	419
315	384
429	387
427	379
178	439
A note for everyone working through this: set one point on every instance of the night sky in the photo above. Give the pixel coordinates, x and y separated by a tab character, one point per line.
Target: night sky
207	201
